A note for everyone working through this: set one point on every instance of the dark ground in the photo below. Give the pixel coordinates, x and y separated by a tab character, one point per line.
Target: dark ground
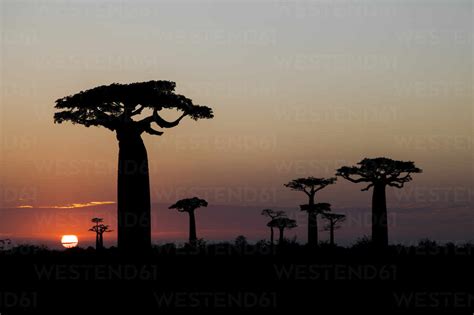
229	279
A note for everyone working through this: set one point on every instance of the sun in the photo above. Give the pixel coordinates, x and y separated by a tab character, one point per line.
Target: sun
69	241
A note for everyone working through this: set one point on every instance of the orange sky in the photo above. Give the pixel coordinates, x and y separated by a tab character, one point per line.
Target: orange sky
298	89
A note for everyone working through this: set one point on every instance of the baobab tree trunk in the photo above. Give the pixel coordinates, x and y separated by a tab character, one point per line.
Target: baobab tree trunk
379	217
101	241
312	224
133	192
282	239
331	234
192	228
271	236
97	241
312	229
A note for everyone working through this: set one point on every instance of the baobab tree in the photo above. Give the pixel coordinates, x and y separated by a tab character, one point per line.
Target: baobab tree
379	173
103	228
99	228
96	229
310	186
120	109
333	223
189	205
281	224
273	215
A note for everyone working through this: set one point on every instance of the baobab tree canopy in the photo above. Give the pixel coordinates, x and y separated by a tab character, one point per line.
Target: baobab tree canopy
310	184
381	170
334	217
318	207
111	105
273	214
189	204
282	223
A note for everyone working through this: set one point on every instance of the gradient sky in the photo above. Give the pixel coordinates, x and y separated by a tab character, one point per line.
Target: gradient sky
299	88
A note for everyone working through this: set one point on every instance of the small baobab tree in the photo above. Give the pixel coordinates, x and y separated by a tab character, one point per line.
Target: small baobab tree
379	173
310	186
189	205
99	228
122	109
96	229
272	215
281	224
333	223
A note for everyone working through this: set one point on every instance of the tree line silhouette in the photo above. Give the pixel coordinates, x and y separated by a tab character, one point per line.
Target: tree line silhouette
118	107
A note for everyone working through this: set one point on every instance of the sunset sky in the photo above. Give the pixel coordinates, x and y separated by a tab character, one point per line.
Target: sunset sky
298	88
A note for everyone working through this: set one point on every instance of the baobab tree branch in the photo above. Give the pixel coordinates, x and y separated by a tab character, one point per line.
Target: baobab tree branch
404	179
368	187
104	117
319	188
164	123
160	121
152	131
354	180
396	184
394	176
138	110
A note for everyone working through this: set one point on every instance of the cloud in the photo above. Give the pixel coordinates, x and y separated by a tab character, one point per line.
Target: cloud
70	206
83	205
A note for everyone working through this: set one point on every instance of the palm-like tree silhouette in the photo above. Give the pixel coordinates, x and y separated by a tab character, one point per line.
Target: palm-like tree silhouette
189	205
99	230
310	186
114	107
379	173
334	219
96	229
281	224
272	215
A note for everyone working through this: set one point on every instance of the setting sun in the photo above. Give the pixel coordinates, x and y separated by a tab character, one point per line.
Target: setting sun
69	241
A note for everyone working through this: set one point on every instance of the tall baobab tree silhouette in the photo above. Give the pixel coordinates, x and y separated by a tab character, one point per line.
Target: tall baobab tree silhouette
114	107
99	228
333	221
189	205
272	215
281	224
310	186
379	173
